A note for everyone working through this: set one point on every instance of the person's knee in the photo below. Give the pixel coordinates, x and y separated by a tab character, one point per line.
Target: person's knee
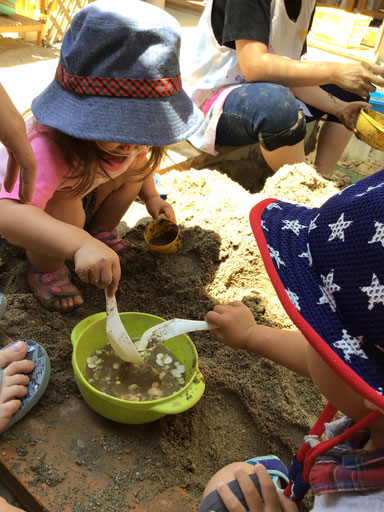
279	110
226	474
284	123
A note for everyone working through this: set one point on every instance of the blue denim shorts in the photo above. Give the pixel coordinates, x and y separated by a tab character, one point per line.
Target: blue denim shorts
268	113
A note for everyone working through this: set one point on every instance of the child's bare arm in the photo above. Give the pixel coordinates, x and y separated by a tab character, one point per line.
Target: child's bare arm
154	203
237	328
31	228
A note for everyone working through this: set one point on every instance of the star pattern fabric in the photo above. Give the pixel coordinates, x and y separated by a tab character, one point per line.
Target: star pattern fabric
369	189
276	256
307	254
295	299
379	235
350	346
328	290
338	228
332	272
312	224
375	292
293	225
273	205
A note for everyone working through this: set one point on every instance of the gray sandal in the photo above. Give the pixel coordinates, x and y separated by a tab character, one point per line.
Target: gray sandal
3	305
38	379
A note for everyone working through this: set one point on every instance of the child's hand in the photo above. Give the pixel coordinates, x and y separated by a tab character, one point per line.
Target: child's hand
155	206
235	324
99	265
272	501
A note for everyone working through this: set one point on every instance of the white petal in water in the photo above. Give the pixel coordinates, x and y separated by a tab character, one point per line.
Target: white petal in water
180	368
175	373
154	392
93	361
163	359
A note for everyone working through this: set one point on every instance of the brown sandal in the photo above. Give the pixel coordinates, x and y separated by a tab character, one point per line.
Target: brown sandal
47	287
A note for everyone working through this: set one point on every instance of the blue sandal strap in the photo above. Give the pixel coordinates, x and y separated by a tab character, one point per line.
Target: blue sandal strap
275	468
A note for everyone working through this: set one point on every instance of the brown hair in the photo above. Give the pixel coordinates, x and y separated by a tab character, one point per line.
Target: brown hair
86	160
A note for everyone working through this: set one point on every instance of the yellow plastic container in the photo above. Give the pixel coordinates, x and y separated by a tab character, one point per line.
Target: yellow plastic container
338	27
370	128
28	8
89	334
162	236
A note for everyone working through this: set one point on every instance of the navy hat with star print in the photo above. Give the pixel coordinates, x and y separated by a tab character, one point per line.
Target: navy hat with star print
327	266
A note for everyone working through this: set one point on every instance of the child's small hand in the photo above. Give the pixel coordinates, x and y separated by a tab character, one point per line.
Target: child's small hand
155	206
235	323
272	501
99	265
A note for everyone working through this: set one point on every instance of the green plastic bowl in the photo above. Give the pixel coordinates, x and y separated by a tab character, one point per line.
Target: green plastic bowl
89	334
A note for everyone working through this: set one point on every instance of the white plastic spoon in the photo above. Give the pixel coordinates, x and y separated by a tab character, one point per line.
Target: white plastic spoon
170	329
117	334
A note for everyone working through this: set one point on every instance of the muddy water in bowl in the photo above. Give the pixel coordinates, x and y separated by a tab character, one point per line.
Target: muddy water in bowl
160	376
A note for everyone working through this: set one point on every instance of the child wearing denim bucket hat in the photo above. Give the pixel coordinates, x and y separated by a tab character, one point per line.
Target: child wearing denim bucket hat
98	136
326	265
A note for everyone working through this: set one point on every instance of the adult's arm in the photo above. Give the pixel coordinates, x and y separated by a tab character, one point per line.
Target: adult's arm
346	112
21	159
258	65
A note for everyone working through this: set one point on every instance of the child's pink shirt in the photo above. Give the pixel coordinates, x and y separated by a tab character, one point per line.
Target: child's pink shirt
53	172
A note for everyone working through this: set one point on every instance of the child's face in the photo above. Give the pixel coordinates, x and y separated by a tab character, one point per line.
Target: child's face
116	148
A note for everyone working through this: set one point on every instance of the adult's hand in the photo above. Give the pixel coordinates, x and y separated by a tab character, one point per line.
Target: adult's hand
359	77
350	112
21	158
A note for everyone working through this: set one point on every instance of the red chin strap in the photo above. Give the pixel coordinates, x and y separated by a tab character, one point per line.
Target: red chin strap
307	455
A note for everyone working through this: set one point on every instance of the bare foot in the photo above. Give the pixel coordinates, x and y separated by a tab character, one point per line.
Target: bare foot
6	507
14	383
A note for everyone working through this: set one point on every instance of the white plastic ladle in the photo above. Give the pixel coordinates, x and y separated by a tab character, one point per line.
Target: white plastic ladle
117	334
170	329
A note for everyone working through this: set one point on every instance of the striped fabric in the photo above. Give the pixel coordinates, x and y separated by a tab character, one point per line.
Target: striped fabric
118	87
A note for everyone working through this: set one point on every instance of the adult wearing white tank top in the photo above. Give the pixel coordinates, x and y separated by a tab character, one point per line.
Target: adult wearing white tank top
247	77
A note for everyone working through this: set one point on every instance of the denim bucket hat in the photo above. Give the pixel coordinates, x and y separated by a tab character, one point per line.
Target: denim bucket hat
327	267
118	78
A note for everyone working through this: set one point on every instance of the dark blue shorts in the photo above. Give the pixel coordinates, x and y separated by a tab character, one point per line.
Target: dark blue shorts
268	113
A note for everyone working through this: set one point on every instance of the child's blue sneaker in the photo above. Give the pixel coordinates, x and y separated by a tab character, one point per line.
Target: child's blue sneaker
275	468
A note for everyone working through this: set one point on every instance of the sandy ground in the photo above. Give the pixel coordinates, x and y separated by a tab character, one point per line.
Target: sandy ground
250	406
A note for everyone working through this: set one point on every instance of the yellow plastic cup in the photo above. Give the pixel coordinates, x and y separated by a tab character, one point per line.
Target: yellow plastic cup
89	334
162	236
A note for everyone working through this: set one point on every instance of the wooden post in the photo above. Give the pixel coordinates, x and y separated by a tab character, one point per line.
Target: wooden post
379	48
349	5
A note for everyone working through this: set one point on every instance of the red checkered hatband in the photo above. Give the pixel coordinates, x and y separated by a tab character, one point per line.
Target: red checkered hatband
118	87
